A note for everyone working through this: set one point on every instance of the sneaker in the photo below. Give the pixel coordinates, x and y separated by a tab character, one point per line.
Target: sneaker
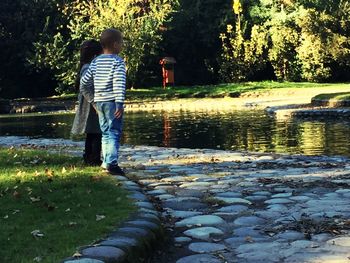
115	170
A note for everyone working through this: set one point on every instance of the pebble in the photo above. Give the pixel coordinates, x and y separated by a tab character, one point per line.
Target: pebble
249	221
206	247
278	201
203	233
202	258
202	220
233	200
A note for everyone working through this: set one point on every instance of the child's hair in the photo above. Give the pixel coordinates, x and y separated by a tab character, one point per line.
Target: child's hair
109	37
88	51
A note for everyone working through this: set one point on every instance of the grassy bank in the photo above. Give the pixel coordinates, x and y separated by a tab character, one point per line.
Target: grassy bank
342	96
50	204
215	91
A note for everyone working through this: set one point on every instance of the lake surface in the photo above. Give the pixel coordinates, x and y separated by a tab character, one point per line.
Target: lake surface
238	130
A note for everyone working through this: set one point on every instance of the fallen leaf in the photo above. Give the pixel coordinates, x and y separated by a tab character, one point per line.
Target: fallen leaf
37	233
73	223
35	199
77	255
100	217
64	170
37	259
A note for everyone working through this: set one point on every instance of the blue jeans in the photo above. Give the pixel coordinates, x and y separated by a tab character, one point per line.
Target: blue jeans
111	128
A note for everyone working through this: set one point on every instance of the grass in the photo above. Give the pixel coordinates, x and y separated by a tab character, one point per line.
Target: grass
60	200
212	91
341	96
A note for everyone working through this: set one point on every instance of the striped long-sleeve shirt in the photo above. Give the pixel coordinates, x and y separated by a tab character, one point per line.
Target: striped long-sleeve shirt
108	75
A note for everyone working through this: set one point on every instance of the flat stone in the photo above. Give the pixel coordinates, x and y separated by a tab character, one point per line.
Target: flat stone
164	196
182	214
340	241
157	192
255	198
189	205
189	193
262	193
249	221
182	239
266	251
84	260
203	233
234	242
268	214
300	198
133	231
343	191
205	247
290	235
204	220
105	253
278	208
278	201
143	224
233	200
234	209
282	195
146	205
138	196
246	231
321	237
194	185
120	241
229	194
202	258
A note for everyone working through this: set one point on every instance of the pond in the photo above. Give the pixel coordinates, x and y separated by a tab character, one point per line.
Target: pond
237	130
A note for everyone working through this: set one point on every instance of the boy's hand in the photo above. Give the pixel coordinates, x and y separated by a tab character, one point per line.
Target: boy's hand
119	113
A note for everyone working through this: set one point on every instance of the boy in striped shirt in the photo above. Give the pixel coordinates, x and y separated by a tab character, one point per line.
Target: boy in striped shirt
107	74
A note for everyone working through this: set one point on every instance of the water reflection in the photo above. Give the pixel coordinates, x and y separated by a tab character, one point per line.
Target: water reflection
238	130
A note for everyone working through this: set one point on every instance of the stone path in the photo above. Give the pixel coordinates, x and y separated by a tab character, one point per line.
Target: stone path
237	207
224	206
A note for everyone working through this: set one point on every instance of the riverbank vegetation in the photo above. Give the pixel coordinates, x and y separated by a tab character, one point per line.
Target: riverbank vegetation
213	41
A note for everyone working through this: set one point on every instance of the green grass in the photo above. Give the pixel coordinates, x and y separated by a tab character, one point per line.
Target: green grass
222	90
334	96
58	196
210	91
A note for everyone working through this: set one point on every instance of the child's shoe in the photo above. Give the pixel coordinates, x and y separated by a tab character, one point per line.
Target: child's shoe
115	170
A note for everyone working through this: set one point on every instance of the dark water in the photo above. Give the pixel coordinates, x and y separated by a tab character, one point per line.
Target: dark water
238	130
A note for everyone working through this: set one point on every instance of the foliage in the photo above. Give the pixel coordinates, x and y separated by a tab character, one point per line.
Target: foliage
21	23
241	57
139	21
308	40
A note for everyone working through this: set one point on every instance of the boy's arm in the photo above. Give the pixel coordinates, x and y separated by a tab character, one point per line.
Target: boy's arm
119	86
87	84
119	82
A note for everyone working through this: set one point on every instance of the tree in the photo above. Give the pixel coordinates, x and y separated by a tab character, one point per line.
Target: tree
21	23
140	21
243	53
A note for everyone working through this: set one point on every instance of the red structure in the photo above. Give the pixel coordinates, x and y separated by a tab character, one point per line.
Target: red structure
168	71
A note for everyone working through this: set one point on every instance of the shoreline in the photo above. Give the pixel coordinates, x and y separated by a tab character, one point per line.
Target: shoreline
249	100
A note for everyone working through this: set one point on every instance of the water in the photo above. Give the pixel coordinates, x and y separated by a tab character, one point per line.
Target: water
238	130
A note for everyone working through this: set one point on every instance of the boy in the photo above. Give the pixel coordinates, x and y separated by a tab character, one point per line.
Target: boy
108	75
